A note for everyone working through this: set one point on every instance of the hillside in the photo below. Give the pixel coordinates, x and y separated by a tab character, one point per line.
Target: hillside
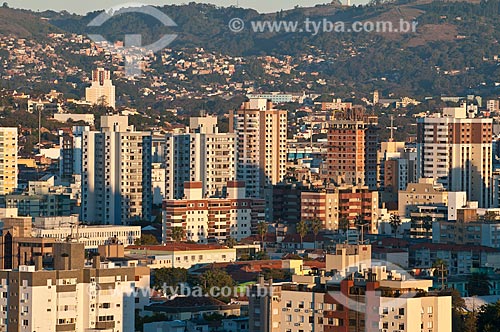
454	50
24	24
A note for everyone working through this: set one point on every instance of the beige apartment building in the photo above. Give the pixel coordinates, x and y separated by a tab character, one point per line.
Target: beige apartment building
102	90
425	192
262	144
8	160
378	299
456	149
72	297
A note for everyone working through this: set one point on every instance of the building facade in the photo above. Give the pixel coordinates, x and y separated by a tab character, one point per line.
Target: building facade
352	149
342	204
262	145
102	90
201	154
71	297
456	149
116	173
8	160
212	219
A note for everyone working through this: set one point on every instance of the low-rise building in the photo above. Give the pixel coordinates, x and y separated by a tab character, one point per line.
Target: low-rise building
182	255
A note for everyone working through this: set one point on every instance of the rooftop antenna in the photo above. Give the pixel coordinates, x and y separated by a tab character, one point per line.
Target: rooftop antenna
392	129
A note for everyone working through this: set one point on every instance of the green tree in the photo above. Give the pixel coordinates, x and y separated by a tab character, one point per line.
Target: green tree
302	229
490	217
395	222
316	227
169	277
478	284
262	231
178	234
231	242
213	278
488	318
146	240
344	224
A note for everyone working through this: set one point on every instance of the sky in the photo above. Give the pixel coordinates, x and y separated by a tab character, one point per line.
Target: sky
82	7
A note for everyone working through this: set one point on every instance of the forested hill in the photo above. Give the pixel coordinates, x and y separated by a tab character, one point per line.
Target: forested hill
455	48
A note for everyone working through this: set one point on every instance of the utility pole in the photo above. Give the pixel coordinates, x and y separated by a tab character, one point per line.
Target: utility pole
39	129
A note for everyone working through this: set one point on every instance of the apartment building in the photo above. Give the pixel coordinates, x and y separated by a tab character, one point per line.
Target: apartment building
200	154
40	205
371	302
8	160
459	259
116	173
212	219
262	144
342	203
352	149
424	193
102	90
456	149
70	160
72	297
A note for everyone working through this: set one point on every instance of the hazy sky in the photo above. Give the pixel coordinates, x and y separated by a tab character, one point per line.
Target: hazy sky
91	5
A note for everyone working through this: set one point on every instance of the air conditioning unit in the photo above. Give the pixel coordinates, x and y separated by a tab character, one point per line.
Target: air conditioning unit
297	324
306	311
319	311
297	310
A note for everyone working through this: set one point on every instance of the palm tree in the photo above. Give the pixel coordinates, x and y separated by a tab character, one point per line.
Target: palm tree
344	224
230	242
178	233
302	229
316	227
395	222
262	231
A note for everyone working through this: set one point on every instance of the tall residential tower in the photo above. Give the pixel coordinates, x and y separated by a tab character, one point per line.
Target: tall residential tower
8	160
262	138
116	173
456	149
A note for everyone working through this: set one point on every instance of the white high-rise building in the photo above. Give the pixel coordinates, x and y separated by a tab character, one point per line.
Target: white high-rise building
455	148
201	154
8	160
262	144
102	90
116	178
